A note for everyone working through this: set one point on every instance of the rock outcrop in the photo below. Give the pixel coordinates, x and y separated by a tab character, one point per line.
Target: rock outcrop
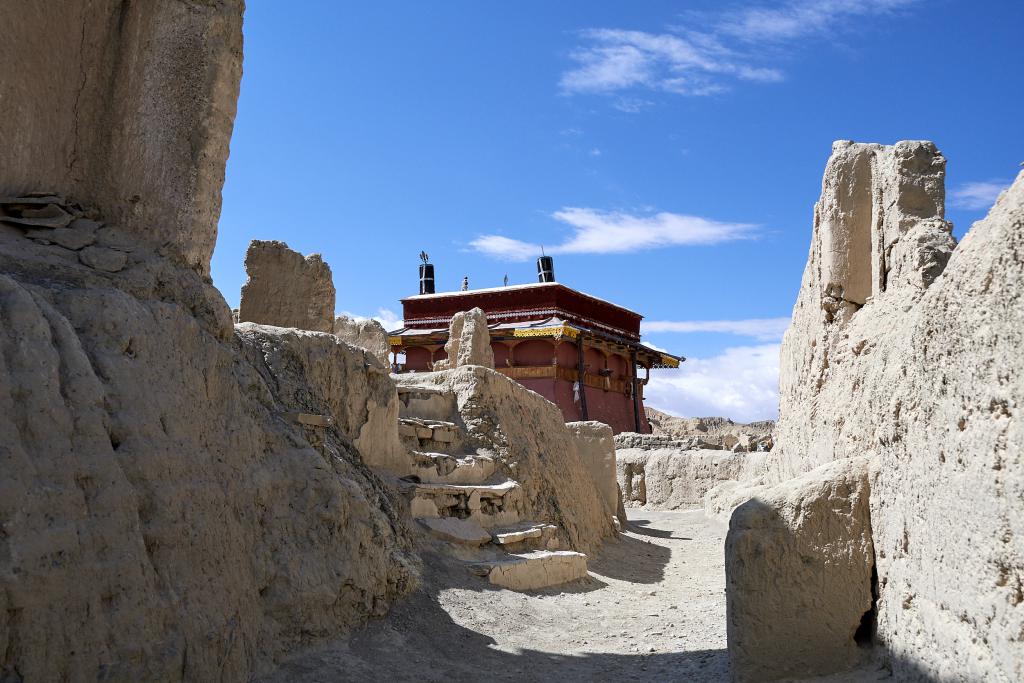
365	333
798	576
469	342
126	107
711	432
286	289
169	509
595	444
905	350
178	501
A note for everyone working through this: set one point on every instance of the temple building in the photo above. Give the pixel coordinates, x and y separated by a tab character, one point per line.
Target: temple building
546	336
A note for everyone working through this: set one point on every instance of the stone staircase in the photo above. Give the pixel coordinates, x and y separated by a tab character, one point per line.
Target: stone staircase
460	498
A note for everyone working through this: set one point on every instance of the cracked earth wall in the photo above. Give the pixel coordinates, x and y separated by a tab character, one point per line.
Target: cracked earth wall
906	350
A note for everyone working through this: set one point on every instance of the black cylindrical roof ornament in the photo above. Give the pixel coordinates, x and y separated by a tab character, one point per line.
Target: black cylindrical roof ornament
545	269
426	274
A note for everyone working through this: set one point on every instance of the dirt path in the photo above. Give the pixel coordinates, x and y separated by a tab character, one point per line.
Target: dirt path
653	610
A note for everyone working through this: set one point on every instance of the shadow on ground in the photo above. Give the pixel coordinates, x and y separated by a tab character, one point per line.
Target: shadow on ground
642	527
631	559
420	641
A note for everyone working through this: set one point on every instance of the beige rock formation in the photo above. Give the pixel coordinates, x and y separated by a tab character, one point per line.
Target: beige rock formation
595	444
128	107
671	478
165	516
365	333
798	576
286	289
530	444
178	502
469	342
712	432
921	377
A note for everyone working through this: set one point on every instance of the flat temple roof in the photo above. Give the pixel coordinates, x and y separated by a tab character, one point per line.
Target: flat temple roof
532	285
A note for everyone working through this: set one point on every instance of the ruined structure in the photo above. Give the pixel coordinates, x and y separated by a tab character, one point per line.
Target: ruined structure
671	478
178	500
596	447
903	350
364	333
286	289
475	428
712	432
100	130
469	342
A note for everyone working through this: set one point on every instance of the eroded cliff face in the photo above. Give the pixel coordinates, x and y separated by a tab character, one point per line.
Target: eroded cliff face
125	106
908	353
165	516
177	500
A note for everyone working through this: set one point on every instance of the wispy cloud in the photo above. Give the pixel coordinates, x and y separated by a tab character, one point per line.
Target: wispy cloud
741	383
762	329
979	195
710	52
616	232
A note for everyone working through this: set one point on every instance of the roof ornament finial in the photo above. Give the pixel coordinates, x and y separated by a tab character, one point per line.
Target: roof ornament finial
424	257
465	284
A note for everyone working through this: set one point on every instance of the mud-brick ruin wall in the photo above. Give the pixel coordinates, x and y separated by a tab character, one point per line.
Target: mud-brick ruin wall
83	106
907	350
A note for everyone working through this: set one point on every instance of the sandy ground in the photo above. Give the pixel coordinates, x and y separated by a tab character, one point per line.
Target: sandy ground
653	610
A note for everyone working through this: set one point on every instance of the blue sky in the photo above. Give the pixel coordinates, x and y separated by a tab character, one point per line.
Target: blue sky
668	154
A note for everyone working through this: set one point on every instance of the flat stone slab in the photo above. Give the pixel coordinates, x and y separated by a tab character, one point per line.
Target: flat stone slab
456	530
488	490
519	534
534	570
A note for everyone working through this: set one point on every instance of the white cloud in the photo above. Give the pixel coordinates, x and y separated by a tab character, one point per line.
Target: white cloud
595	152
741	383
385	316
713	51
616	232
632	105
762	329
799	18
978	196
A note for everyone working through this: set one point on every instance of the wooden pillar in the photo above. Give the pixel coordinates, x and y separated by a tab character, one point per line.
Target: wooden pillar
581	371
636	392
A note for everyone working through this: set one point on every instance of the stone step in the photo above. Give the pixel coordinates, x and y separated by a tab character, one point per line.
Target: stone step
455	530
488	505
533	570
442	468
430	435
526	536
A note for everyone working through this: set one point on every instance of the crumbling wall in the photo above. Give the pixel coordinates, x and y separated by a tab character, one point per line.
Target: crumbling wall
709	432
178	501
469	342
671	478
165	515
126	106
286	289
798	576
532	445
365	333
922	377
595	444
